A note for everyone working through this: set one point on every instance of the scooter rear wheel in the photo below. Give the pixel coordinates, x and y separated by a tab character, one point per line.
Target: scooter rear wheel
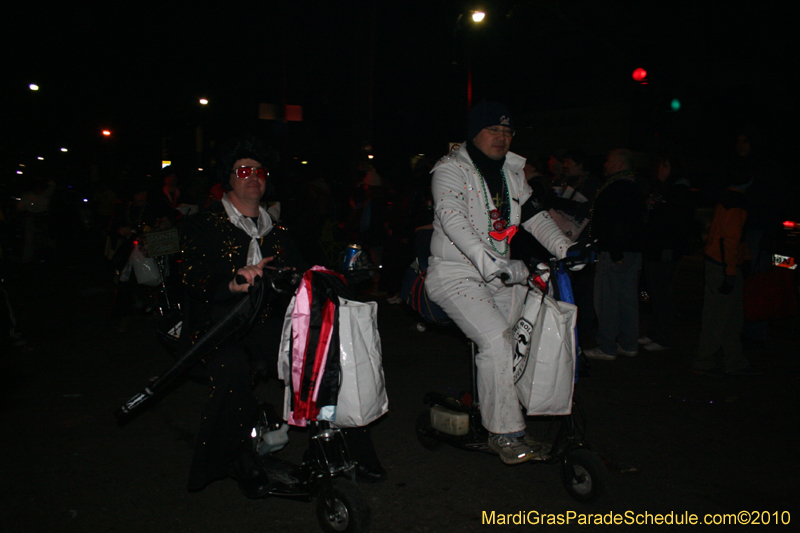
342	508
584	475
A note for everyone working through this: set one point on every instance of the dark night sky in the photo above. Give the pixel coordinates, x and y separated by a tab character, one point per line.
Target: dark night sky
140	71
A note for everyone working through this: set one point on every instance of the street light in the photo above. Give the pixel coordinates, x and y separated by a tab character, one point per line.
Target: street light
477	18
33	87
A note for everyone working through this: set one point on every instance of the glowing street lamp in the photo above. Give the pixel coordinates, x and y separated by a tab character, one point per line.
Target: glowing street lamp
477	17
106	133
33	87
203	101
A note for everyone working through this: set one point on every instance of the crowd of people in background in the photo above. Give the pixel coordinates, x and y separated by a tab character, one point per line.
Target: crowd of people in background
640	207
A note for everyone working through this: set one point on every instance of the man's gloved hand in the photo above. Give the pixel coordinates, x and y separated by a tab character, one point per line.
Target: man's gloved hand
582	252
513	272
727	285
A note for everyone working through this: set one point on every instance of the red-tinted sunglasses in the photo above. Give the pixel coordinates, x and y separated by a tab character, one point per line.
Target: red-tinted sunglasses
245	172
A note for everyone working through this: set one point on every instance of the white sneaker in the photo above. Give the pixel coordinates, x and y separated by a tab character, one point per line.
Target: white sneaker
644	340
597	353
512	450
653	346
628	353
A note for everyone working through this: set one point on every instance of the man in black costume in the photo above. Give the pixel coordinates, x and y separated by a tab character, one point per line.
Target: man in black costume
236	237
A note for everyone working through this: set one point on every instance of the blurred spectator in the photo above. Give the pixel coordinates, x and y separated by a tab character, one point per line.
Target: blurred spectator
536	175
670	212
399	243
215	194
617	222
104	199
555	166
133	217
34	204
723	312
570	205
9	334
572	196
766	201
369	217
170	194
197	188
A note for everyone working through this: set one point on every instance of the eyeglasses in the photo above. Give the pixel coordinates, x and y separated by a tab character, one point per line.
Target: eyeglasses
245	172
497	130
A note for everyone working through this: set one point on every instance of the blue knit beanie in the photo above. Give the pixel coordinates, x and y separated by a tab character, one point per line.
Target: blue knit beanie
488	114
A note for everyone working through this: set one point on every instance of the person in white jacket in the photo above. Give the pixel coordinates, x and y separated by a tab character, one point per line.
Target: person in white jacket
480	199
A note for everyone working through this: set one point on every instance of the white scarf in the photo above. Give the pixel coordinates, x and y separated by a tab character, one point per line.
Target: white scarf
248	226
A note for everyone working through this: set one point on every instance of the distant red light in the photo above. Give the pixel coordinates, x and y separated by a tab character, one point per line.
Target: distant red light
639	74
789	224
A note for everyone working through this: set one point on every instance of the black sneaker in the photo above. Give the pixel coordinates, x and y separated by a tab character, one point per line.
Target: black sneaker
370	474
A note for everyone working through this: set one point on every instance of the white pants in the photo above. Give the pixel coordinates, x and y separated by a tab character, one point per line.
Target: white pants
483	311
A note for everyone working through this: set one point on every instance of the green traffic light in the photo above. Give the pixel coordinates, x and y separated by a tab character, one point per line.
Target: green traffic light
675	104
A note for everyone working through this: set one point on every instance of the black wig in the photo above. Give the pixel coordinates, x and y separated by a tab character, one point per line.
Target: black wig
242	147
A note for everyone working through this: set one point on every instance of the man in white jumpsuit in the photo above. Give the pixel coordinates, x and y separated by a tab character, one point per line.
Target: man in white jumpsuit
481	197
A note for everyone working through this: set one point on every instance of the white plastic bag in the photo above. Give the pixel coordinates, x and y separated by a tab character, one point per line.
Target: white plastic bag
362	394
362	389
145	268
285	363
545	355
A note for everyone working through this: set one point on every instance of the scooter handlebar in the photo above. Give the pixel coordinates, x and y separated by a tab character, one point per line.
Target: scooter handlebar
281	280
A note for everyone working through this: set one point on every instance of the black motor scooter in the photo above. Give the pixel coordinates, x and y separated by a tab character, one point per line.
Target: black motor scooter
455	419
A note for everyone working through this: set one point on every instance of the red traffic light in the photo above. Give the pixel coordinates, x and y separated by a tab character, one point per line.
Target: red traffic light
640	75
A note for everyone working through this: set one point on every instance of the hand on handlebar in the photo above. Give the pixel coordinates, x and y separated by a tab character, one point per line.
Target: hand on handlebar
513	272
580	253
246	276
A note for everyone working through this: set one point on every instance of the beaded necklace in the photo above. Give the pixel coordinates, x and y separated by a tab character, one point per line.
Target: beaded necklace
496	221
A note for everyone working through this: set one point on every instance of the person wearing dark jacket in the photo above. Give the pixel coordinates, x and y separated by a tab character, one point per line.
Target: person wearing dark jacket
670	211
129	220
723	308
234	237
617	222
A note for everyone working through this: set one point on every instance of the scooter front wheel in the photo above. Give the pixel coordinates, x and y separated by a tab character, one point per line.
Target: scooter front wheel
342	508
584	475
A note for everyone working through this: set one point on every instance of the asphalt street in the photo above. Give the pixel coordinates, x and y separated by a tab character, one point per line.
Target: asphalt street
674	442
